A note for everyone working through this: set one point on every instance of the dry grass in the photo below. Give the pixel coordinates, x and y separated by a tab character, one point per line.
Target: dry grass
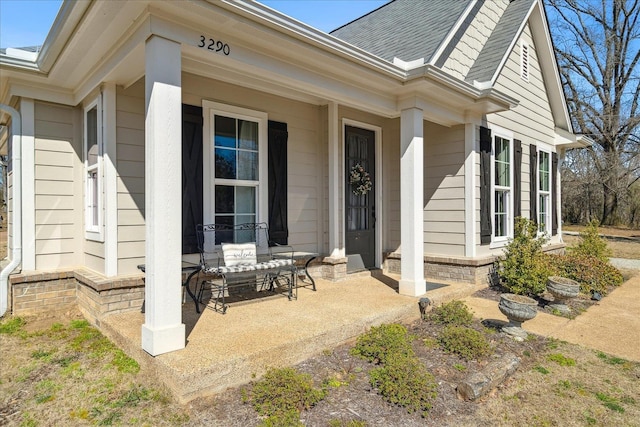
624	242
59	371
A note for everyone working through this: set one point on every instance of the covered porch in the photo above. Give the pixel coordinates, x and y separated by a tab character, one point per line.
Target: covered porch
229	350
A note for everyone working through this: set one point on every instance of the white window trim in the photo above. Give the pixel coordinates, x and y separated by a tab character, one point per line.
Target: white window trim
525	60
210	109
501	241
548	193
94	232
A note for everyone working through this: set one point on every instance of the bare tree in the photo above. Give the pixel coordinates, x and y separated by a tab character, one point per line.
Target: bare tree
597	44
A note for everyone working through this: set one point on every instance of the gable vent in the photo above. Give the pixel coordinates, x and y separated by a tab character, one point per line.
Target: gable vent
524	61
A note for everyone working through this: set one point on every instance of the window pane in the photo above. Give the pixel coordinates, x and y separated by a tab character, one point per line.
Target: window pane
224	236
543	172
92	136
248	135
501	214
248	165
92	198
542	217
225	132
225	163
245	200
224	199
502	163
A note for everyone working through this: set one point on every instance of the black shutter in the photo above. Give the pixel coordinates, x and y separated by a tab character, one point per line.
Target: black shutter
517	179
485	185
278	228
554	194
533	182
191	176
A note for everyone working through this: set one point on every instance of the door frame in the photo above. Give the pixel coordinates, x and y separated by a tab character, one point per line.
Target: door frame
377	130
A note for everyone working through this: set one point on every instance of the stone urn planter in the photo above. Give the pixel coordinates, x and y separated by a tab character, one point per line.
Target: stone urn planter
518	309
562	289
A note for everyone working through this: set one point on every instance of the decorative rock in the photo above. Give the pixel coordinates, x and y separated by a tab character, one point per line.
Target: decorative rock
425	306
480	383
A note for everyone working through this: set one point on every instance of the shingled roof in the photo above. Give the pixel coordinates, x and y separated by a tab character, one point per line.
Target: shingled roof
414	29
406	29
501	39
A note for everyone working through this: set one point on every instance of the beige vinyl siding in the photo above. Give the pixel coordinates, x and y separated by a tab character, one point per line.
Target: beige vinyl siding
531	121
58	212
468	47
130	119
444	190
306	154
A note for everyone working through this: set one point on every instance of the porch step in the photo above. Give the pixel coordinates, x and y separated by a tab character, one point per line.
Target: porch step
374	272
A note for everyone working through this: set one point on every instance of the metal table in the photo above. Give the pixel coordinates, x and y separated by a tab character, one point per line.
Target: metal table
301	255
192	269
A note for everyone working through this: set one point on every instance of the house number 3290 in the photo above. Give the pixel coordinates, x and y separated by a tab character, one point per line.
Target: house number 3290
214	45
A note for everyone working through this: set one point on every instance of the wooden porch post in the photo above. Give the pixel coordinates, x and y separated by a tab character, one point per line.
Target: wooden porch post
163	330
411	202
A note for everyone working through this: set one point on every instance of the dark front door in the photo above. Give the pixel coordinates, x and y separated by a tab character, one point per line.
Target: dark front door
360	198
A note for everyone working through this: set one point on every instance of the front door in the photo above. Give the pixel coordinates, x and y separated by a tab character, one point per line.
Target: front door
360	198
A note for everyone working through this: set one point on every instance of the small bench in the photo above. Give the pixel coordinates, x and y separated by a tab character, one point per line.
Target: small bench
241	256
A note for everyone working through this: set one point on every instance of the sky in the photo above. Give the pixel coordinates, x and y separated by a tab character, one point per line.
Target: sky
27	22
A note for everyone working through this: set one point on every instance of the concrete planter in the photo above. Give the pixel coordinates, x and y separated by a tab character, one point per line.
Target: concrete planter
562	290
518	309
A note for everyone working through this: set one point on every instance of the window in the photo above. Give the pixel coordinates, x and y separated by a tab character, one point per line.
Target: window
524	61
237	150
93	170
544	192
502	188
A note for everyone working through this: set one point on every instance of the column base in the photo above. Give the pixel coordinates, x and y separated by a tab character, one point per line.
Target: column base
412	288
159	341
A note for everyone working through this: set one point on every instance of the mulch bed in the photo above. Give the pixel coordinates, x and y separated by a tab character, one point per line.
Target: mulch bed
577	305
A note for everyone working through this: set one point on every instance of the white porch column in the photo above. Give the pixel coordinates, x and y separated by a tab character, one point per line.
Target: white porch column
110	179
411	202
163	330
470	190
335	248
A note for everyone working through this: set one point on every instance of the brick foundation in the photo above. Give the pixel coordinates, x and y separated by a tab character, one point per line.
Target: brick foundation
96	296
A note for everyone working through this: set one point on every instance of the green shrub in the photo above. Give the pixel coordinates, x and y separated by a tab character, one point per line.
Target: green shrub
465	342
283	390
283	419
452	313
592	273
404	381
383	343
523	270
591	244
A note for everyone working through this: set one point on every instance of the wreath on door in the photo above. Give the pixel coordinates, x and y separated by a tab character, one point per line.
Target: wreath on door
360	180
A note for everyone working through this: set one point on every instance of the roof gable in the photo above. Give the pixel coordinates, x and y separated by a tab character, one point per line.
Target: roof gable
501	42
404	29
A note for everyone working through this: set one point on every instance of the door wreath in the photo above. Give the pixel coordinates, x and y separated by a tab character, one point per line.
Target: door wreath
360	180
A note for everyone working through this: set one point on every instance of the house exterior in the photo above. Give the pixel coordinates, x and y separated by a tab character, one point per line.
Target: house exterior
407	140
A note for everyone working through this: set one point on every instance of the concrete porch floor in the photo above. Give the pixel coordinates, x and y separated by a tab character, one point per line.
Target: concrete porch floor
229	350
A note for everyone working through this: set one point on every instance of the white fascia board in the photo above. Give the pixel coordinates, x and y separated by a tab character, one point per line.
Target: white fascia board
308	34
566	139
549	66
128	42
41	92
10	62
69	16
